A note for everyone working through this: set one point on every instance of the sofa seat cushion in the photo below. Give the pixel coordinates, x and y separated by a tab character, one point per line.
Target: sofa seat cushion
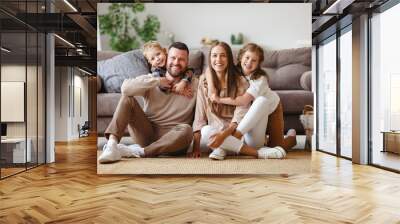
293	101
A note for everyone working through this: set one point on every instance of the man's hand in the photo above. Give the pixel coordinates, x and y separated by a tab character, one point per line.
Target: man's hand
196	153
216	140
165	83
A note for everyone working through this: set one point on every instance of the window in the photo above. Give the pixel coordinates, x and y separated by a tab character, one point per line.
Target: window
346	93
327	96
385	84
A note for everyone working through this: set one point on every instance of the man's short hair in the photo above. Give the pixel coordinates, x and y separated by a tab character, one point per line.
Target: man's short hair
180	46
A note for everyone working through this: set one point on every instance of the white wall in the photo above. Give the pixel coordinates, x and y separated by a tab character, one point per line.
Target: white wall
273	26
68	83
61	103
15	72
80	102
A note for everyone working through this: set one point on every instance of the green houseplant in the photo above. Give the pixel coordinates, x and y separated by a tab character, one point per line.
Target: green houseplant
237	39
122	25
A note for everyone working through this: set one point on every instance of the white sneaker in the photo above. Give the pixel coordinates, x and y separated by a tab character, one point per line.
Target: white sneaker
271	153
218	154
110	153
129	151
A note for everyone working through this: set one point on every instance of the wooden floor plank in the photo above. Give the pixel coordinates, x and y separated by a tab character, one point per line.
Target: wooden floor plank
70	191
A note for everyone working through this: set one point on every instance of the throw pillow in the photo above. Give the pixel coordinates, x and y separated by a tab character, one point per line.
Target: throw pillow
115	70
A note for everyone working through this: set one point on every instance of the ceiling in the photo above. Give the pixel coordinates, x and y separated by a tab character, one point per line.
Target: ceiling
77	24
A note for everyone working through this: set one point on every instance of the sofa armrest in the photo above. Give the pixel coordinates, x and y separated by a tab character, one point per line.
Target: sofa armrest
305	80
99	83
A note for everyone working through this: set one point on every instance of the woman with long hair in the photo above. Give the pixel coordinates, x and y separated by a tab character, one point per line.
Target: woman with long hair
215	123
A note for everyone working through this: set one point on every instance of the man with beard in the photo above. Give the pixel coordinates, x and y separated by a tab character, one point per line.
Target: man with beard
163	125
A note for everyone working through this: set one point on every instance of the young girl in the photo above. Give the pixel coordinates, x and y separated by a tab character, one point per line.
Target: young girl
265	101
156	56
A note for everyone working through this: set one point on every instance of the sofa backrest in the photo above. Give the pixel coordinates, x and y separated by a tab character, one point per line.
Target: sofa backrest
112	71
285	68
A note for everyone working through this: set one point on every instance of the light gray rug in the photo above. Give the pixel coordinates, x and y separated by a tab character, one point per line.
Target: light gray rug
296	162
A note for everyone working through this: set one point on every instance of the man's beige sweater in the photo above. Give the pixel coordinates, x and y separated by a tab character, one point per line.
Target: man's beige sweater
164	110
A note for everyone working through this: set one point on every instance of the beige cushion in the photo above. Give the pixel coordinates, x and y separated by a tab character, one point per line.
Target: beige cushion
305	80
103	55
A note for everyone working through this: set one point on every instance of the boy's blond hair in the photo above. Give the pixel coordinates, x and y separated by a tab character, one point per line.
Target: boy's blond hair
152	45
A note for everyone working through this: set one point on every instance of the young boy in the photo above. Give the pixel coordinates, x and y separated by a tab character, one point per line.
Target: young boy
157	58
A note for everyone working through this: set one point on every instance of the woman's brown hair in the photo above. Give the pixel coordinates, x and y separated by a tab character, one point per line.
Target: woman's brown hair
233	73
252	47
233	78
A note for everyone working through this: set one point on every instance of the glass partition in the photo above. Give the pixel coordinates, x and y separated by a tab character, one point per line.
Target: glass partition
13	95
327	96
346	93
22	77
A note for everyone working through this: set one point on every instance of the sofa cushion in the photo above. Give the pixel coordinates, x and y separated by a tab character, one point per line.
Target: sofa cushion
196	61
305	80
270	59
293	101
294	56
115	70
107	103
287	77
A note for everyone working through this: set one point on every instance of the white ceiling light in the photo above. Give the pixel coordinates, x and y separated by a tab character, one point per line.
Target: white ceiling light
70	5
338	6
5	49
86	72
65	41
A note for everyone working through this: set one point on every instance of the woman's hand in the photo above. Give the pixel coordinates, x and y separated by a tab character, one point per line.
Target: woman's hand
183	89
165	83
216	140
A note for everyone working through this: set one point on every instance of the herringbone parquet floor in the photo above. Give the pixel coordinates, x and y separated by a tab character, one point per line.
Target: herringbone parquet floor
70	191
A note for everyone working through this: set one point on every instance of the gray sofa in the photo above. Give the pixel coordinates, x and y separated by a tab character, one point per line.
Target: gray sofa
289	73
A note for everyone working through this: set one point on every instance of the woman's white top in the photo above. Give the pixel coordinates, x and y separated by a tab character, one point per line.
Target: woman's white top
260	87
